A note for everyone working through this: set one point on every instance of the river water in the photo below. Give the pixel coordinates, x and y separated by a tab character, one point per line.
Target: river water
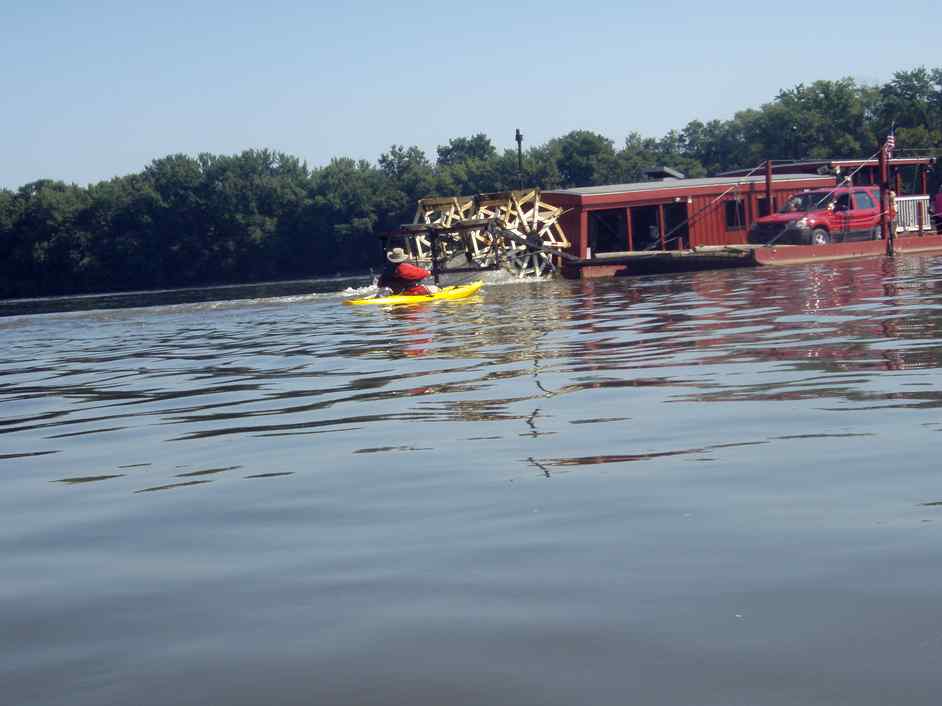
716	488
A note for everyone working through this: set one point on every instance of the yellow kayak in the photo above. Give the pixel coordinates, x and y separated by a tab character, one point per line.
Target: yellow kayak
452	292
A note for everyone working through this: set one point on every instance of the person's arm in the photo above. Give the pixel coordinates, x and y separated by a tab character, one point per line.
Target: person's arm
412	272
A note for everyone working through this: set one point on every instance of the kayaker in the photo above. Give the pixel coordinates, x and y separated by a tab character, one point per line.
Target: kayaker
402	277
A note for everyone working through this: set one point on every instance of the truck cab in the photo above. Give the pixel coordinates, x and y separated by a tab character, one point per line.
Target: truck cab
822	216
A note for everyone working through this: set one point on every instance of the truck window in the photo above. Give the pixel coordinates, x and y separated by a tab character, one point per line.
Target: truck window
807	201
862	200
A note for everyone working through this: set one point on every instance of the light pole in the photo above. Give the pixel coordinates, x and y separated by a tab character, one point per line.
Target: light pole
519	138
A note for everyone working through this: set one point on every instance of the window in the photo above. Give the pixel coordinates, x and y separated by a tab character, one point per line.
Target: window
608	231
842	203
735	215
808	201
862	200
763	206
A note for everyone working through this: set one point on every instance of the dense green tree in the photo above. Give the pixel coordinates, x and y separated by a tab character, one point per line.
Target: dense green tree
8	213
911	99
471	177
540	168
353	202
714	145
48	245
410	170
467	165
463	149
825	119
584	158
127	252
674	151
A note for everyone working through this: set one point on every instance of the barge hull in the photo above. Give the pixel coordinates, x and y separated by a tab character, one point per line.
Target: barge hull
715	257
803	254
722	257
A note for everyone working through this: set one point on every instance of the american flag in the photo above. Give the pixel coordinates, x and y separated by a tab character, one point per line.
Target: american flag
889	144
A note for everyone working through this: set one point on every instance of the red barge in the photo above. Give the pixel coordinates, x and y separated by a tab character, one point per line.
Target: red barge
794	212
674	224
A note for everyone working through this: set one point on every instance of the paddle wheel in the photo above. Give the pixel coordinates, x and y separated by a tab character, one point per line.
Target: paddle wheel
444	212
513	230
535	225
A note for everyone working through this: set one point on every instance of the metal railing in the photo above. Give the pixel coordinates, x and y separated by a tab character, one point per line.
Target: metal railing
912	215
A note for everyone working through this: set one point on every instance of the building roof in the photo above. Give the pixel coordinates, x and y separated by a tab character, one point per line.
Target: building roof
668	184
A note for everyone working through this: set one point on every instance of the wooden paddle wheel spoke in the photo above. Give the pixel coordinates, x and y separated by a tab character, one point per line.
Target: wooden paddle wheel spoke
480	248
530	263
444	212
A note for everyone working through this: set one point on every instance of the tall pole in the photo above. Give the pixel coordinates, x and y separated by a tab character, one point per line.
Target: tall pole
519	138
885	229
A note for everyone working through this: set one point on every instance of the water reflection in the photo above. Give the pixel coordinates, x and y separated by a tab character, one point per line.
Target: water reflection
88	479
559	363
171	486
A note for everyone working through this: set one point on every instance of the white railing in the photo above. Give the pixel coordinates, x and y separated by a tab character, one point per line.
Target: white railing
912	214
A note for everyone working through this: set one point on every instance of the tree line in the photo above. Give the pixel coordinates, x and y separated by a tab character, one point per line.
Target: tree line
263	215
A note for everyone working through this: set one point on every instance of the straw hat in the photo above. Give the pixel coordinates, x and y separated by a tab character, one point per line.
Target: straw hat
397	255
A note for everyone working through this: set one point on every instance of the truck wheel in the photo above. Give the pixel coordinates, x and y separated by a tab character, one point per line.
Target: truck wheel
819	236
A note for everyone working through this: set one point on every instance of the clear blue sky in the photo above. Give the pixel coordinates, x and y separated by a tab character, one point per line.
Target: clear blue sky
99	89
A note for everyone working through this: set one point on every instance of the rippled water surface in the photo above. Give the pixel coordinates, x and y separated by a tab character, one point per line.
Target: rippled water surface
718	488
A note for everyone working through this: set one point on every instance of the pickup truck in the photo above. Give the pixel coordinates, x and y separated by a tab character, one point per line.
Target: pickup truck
823	216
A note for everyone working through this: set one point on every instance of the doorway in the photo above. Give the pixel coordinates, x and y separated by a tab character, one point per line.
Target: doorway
645	228
676	231
608	231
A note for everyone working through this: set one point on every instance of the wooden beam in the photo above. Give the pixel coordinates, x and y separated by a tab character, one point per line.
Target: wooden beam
660	224
631	245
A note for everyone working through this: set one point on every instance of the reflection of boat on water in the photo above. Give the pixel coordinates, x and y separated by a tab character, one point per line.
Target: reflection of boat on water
841	317
449	293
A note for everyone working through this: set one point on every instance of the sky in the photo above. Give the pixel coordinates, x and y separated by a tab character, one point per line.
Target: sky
99	89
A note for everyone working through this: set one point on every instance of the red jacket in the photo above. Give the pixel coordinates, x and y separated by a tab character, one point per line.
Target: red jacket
403	278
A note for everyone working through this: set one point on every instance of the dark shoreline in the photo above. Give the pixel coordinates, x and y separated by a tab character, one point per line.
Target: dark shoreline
28	306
